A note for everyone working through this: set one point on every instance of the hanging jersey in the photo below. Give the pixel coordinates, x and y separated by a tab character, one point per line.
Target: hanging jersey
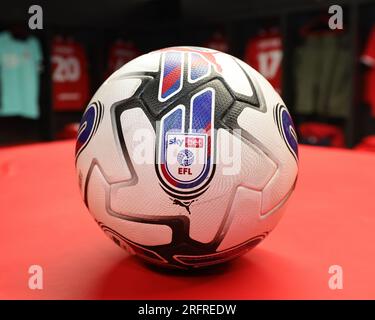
19	76
264	53
217	42
120	53
368	58
70	88
321	72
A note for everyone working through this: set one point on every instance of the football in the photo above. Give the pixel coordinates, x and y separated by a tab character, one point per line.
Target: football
186	157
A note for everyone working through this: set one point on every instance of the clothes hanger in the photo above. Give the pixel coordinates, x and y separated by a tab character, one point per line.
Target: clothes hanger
19	32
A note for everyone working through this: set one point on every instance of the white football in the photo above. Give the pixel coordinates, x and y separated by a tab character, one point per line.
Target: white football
186	157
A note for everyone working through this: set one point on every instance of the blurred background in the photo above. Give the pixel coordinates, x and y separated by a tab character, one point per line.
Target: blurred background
326	77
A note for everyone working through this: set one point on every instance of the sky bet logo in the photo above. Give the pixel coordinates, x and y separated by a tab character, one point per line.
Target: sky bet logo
174	140
190	142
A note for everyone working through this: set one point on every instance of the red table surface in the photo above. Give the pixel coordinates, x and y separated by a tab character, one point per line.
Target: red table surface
330	221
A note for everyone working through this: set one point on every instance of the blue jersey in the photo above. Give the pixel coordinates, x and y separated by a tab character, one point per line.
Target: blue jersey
19	76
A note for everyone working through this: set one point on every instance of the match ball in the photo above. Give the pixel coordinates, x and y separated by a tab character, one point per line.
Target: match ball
186	157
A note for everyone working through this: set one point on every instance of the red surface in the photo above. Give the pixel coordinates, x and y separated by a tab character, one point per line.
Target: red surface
330	220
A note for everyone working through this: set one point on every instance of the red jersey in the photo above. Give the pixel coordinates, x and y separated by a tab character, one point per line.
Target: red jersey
217	42
120	53
368	58
70	88
264	53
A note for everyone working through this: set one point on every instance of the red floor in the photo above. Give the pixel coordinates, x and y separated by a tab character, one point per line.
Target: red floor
330	221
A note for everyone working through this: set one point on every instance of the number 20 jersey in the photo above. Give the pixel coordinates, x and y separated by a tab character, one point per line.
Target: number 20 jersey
70	89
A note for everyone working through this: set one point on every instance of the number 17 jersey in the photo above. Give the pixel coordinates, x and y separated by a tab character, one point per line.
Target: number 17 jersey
264	53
